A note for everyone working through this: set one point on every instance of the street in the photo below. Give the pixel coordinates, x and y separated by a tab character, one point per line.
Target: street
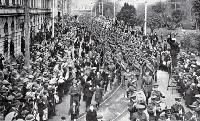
115	108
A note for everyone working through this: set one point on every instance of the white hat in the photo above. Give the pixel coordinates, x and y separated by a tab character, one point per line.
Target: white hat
174	39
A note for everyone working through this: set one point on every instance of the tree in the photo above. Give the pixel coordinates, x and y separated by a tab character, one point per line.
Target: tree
196	10
154	21
177	16
127	14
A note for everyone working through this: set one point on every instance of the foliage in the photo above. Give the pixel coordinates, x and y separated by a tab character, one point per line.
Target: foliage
196	10
159	8
191	41
154	21
127	14
177	16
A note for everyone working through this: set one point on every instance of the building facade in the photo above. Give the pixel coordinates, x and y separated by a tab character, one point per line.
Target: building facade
12	31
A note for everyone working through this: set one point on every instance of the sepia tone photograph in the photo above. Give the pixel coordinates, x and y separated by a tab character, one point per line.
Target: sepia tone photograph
99	60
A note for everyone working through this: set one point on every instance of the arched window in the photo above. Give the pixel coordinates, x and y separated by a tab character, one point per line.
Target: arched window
6	38
13	2
12	43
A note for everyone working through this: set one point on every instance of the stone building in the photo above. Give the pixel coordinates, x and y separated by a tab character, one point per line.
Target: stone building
12	31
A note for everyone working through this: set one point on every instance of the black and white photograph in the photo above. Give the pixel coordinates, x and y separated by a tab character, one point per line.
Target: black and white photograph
99	60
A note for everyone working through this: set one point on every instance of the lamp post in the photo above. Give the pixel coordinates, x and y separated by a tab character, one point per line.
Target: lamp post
102	7
53	29
145	19
27	34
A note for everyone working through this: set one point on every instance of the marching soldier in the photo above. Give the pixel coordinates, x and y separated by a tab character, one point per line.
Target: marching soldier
157	93
132	86
147	84
139	115
74	111
74	91
197	104
178	110
132	105
154	109
192	115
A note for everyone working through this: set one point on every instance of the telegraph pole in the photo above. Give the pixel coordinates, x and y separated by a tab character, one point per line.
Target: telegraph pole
53	29
63	1
145	19
27	34
102	7
114	10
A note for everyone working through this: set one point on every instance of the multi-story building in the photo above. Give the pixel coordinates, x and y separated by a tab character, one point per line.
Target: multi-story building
12	31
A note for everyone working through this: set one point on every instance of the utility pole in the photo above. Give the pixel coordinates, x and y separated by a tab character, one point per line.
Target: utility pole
99	8
95	9
27	34
145	19
114	10
53	21
63	2
102	7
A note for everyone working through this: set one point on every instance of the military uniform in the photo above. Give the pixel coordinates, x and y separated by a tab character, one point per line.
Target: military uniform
178	110
74	91
139	115
147	86
74	111
157	93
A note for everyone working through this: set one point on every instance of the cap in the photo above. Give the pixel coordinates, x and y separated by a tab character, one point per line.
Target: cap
18	96
29	117
30	76
155	86
197	95
192	106
75	81
24	112
178	99
162	114
140	106
5	82
153	97
10	97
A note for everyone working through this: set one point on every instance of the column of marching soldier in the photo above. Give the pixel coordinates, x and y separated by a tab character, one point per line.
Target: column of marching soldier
146	104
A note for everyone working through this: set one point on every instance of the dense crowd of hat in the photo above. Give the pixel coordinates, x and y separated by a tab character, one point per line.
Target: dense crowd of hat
188	77
31	93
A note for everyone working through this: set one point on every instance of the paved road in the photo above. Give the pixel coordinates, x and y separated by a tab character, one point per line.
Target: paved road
113	107
63	108
162	82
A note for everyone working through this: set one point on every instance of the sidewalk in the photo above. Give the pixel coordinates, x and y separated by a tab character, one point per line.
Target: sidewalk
63	108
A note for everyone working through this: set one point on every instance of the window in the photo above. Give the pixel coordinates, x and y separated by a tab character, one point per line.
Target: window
13	2
173	6
178	6
6	38
7	2
175	0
